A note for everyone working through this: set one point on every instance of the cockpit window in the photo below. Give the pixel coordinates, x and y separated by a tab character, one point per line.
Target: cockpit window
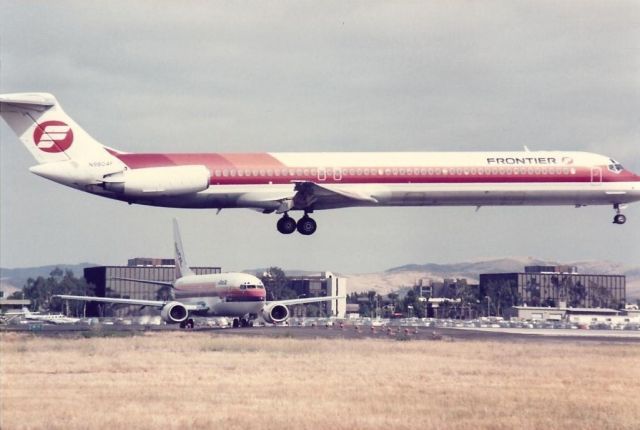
614	166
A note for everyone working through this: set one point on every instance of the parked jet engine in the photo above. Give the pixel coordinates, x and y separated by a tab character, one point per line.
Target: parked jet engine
275	313
174	313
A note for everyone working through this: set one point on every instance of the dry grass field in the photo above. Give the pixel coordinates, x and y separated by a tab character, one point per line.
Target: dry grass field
204	380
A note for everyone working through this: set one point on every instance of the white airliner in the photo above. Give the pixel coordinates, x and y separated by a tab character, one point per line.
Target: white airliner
49	318
284	182
237	295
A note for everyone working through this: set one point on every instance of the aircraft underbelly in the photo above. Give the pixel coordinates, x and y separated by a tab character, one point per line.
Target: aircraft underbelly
218	307
238	309
486	194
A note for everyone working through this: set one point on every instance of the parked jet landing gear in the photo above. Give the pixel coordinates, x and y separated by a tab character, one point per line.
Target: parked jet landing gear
242	322
305	225
187	324
619	218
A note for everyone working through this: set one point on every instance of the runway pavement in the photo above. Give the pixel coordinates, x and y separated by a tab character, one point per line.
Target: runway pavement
398	333
439	334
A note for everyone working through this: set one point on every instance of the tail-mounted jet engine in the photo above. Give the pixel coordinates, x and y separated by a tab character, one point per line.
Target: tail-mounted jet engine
159	181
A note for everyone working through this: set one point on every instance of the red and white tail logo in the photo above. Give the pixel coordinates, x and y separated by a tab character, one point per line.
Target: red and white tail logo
53	136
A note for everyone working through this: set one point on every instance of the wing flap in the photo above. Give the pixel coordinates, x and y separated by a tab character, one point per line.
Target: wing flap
309	193
302	196
350	194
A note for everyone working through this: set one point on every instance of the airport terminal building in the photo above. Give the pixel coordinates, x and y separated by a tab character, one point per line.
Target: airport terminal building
551	286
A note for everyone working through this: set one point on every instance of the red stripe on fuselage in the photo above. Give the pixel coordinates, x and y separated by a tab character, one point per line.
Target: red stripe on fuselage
208	290
262	168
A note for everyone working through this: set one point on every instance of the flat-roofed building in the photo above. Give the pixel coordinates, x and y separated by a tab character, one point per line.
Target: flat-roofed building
563	289
541	313
321	284
13	304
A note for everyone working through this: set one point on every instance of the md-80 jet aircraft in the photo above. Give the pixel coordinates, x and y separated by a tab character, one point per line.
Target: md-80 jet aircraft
236	295
306	182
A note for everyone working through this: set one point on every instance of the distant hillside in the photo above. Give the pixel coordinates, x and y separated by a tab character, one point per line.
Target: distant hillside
289	272
12	279
389	280
397	277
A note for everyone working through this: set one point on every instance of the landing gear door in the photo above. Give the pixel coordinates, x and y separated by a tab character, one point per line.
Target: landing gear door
596	176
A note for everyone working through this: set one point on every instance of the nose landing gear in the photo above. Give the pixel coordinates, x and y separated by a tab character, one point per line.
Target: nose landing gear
619	218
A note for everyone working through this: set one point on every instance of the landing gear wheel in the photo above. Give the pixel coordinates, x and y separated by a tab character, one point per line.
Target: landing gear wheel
306	225
619	219
236	323
188	324
286	225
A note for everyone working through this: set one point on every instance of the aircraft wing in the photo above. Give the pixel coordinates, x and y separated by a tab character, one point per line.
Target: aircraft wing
303	301
135	302
304	194
153	303
330	191
145	281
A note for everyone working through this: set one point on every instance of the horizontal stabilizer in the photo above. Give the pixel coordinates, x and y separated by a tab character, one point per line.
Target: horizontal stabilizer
37	101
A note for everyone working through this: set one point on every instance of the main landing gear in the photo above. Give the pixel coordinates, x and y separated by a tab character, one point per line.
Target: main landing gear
242	322
305	225
619	218
188	324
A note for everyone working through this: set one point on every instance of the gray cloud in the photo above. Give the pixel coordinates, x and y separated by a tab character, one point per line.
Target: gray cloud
359	76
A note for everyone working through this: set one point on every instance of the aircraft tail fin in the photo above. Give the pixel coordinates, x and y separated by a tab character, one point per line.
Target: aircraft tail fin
47	131
182	268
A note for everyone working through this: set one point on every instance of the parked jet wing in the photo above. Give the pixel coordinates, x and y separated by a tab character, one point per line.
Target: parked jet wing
303	301
144	281
135	302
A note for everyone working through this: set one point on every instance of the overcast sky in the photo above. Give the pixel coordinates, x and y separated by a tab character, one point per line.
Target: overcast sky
321	76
